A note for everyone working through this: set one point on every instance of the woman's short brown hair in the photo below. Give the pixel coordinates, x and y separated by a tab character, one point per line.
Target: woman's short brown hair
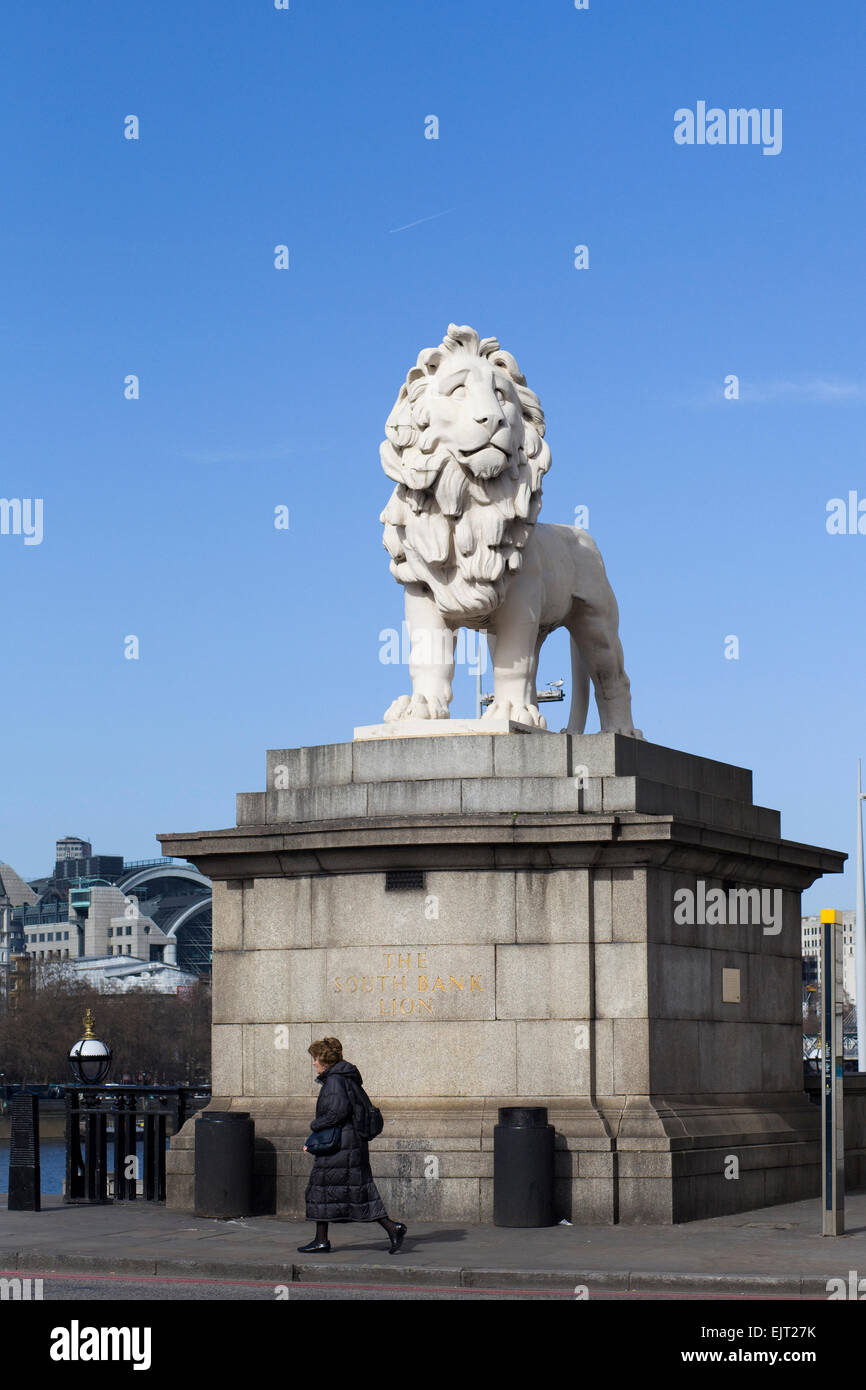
328	1051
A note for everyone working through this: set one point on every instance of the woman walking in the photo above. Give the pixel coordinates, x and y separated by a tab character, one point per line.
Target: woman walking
341	1186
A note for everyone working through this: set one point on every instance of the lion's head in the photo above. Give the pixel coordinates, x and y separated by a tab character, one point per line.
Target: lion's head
465	446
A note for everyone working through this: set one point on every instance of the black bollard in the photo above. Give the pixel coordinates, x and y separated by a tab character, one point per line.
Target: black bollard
224	1147
24	1178
523	1168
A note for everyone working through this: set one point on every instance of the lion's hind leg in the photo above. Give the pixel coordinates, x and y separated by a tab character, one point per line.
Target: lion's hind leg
594	628
579	691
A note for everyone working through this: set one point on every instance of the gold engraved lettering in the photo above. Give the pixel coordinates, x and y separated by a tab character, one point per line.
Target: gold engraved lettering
352	984
337	986
402	1004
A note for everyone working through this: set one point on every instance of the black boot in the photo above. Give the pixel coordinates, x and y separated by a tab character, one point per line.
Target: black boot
396	1231
320	1245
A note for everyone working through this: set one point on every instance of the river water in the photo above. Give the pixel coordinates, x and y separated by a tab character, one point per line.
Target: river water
52	1164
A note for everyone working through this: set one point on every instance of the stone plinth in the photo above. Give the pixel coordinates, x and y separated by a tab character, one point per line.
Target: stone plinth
501	920
442	728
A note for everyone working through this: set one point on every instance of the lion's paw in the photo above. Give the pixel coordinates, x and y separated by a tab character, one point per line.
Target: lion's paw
416	707
518	714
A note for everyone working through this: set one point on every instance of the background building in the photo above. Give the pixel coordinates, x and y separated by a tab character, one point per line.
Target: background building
812	984
70	847
14	893
119	974
94	908
811	937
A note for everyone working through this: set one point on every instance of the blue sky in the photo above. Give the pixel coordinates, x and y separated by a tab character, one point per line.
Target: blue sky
261	387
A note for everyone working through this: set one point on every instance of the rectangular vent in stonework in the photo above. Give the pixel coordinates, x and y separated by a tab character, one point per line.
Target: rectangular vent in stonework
400	880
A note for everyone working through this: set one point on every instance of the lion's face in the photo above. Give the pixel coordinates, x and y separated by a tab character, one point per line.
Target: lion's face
465	446
475	414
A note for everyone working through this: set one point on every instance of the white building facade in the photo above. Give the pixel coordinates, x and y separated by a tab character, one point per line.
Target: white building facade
810	928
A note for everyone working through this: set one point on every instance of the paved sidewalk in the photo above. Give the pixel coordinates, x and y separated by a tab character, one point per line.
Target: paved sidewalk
776	1252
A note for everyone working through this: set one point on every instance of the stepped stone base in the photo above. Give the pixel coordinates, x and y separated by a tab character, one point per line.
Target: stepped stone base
498	920
641	1160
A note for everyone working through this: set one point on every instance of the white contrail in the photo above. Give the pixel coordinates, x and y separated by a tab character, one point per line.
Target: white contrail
420	220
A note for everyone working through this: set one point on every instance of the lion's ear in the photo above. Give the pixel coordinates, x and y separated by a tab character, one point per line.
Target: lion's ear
531	408
506	360
428	362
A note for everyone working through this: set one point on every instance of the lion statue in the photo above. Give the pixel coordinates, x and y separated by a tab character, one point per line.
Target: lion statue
465	447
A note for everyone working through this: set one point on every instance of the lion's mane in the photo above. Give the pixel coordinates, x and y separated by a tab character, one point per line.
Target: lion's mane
461	536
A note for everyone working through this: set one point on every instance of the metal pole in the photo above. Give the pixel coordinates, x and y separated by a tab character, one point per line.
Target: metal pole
832	1132
482	646
860	935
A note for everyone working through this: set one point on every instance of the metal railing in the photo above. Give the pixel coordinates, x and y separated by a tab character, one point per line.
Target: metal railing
121	1115
167	860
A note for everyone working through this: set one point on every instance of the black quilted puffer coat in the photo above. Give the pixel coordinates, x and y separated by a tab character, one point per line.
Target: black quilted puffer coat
341	1186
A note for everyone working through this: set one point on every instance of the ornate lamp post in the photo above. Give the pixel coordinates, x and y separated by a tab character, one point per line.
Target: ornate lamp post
89	1058
89	1062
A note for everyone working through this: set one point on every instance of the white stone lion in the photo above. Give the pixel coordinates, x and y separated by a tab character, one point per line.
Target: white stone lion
465	446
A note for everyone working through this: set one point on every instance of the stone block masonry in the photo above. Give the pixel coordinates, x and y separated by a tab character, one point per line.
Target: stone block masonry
492	920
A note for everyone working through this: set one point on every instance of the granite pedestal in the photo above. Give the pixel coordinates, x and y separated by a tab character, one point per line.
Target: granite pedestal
511	919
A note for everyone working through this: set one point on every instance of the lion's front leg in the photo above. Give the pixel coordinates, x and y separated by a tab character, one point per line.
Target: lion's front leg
431	661
513	647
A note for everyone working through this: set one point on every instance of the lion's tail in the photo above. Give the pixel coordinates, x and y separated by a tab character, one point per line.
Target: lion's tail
579	692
